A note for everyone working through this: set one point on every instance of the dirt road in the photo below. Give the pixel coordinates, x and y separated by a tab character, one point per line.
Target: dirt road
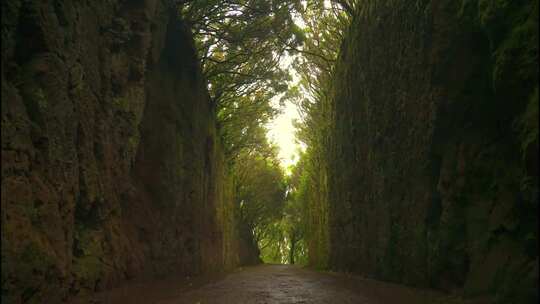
273	284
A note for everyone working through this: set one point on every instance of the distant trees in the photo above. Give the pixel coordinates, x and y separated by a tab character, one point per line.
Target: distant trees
241	44
302	219
294	223
283	240
260	190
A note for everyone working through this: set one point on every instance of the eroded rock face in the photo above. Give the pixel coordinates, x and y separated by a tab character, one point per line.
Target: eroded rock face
111	168
435	177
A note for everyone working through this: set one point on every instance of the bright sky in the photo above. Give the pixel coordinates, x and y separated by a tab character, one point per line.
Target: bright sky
281	130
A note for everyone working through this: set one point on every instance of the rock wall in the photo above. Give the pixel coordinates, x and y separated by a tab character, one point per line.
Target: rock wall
111	166
433	178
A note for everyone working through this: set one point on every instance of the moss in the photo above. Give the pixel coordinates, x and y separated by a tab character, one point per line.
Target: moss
484	56
121	103
30	268
528	124
35	99
133	141
133	144
40	98
35	258
516	57
87	266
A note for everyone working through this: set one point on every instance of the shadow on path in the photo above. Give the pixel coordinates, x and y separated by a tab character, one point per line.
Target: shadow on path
271	284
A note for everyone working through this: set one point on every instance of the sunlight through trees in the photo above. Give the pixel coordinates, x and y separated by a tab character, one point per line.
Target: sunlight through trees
242	45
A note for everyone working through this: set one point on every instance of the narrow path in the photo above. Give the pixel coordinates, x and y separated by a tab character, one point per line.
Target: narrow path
271	284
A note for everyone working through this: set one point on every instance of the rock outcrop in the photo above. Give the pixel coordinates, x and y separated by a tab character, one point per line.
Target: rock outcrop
111	166
433	174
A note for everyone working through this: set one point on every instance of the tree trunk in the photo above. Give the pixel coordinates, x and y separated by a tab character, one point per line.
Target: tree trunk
291	252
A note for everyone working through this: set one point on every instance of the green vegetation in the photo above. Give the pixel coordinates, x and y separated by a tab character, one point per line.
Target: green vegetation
87	266
269	210
419	133
240	44
260	191
326	25
283	241
499	99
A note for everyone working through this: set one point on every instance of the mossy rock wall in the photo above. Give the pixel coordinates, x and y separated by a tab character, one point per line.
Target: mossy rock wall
433	179
111	166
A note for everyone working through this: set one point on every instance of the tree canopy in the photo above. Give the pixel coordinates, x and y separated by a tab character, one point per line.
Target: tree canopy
260	190
241	44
